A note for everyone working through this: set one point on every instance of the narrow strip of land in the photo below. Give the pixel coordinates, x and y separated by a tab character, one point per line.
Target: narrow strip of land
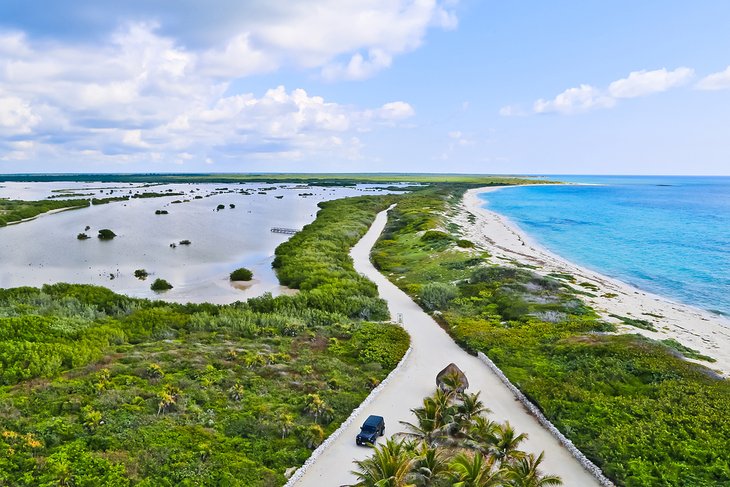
432	350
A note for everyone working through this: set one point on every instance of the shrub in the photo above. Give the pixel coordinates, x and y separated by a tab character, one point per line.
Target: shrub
436	295
220	207
465	244
161	212
435	236
241	274
82	236
141	274
106	234
185	242
160	285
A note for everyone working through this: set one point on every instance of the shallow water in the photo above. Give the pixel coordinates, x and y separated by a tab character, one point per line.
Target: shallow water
666	235
46	250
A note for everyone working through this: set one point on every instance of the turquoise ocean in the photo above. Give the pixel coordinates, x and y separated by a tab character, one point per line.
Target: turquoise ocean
666	235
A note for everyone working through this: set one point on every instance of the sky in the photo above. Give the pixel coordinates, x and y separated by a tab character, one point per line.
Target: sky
468	86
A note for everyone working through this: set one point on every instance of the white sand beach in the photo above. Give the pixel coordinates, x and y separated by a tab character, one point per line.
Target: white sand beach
693	327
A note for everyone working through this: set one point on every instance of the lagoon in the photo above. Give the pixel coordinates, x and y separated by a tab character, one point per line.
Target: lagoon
46	250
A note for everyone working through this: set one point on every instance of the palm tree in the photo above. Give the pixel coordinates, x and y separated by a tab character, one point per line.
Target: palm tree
471	406
482	435
428	423
389	466
316	406
236	391
475	471
313	436
525	472
431	465
506	443
286	423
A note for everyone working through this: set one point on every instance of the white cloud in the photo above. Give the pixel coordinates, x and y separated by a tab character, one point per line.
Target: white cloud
16	116
358	67
160	91
715	81
642	83
393	111
575	100
350	40
586	97
140	96
512	111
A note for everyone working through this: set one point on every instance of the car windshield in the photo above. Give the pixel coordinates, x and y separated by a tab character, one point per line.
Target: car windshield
368	429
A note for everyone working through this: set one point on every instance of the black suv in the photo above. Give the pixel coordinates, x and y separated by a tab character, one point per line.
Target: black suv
373	427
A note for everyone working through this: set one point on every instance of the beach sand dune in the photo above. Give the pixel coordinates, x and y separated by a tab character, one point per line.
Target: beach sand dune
698	329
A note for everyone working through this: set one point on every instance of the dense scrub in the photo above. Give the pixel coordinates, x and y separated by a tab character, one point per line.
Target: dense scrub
103	389
317	260
632	405
12	211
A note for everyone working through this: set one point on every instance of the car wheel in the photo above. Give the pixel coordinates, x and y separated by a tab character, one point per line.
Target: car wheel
382	431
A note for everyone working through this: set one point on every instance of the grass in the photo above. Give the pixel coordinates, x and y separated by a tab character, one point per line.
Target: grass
687	351
635	322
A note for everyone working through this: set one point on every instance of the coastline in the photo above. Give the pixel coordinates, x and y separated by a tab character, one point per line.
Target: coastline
693	327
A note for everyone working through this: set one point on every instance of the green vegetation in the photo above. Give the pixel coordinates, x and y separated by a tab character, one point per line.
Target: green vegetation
13	211
152	194
82	236
185	242
160	285
103	389
161	212
643	414
317	260
141	274
241	274
303	178
106	234
453	443
104	201
636	323
686	351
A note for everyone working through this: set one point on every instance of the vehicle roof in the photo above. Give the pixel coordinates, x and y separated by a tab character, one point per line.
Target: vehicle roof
373	420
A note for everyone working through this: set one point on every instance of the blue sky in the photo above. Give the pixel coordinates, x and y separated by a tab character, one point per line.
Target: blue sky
619	87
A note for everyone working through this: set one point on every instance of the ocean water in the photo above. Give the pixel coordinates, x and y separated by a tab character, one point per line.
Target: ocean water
666	235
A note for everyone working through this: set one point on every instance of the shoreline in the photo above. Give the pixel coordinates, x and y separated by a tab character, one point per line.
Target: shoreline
694	327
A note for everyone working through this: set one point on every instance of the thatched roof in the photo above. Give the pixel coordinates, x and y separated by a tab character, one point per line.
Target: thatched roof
452	378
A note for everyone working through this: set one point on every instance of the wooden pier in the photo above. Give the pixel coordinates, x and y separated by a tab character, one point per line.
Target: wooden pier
287	231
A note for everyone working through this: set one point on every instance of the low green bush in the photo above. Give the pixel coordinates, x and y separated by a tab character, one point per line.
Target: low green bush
160	285
106	234
241	274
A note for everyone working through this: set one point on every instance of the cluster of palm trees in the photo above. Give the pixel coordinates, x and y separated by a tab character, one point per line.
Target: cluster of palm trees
453	443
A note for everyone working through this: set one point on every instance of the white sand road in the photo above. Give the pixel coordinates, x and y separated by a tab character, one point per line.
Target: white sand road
432	350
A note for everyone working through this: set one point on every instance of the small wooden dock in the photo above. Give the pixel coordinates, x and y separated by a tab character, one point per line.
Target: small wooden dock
287	231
